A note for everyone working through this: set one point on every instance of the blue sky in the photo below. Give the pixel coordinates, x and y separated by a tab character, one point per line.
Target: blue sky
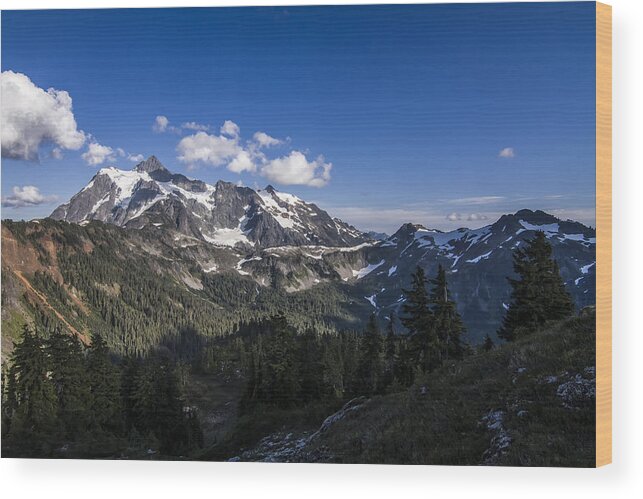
446	115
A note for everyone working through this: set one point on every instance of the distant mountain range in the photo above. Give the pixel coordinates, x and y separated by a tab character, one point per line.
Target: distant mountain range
195	231
223	214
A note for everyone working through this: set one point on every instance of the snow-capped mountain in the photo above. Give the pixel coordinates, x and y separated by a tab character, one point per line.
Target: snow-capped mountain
223	214
277	239
478	262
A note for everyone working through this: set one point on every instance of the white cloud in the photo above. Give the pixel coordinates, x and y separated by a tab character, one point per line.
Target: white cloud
477	200
452	217
32	116
97	154
160	124
57	153
197	127
227	149
264	140
242	162
507	152
475	217
295	169
29	195
214	150
230	129
136	158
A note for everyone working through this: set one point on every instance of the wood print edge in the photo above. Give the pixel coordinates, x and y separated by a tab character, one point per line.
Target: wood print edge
603	234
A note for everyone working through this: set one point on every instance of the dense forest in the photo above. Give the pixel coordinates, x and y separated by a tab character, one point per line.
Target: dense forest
125	394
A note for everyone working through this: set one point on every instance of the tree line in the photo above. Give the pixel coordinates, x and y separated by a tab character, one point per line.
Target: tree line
61	399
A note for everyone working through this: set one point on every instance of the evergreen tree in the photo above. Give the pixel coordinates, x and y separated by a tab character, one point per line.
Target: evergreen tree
539	294
488	343
446	319
106	407
31	397
370	367
390	352
68	374
418	319
280	381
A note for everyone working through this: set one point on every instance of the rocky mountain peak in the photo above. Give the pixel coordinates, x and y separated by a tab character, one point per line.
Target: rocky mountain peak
151	164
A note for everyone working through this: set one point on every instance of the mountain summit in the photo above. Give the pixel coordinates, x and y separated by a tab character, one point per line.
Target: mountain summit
223	214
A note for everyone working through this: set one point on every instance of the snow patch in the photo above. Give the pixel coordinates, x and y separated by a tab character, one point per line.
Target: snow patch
363	272
481	257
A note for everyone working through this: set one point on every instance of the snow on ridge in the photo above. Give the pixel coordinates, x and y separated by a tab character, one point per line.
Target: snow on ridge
286	218
363	272
371	300
227	237
392	270
585	269
481	257
577	237
548	229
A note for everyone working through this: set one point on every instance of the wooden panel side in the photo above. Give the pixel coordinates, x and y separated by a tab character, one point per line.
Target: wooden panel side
603	234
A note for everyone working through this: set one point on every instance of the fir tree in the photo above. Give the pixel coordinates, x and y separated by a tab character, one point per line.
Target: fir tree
418	319
30	396
390	352
370	367
68	374
488	343
280	381
539	294
446	319
106	407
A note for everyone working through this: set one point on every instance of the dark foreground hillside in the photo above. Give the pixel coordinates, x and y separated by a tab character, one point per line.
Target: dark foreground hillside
528	403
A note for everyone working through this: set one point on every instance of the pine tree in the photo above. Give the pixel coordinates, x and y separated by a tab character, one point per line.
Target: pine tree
68	374
280	381
418	319
370	367
488	343
106	407
31	396
390	352
539	294
447	320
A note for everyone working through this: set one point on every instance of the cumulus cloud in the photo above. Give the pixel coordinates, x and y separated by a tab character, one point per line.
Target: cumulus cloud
136	158
264	140
472	217
28	195
98	154
227	149
57	153
507	152
295	169
214	150
230	129
242	162
197	127
32	116
160	124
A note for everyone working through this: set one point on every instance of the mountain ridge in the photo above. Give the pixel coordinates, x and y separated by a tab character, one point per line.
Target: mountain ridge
224	213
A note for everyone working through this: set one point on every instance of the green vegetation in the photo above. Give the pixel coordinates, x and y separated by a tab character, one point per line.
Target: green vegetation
441	418
61	400
539	295
272	362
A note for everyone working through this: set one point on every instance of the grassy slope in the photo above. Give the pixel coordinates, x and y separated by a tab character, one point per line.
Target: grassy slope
443	426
